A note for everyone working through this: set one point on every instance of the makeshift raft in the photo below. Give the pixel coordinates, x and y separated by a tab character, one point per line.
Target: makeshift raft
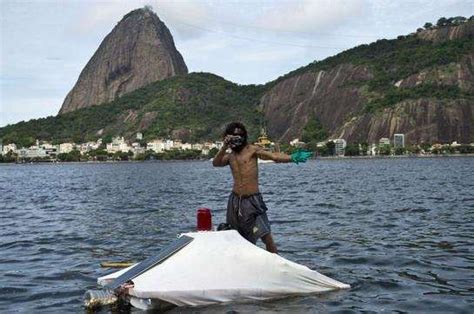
219	267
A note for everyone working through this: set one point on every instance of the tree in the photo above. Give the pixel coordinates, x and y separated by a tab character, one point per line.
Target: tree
385	150
314	131
414	149
466	149
352	150
364	147
426	147
400	151
331	148
428	25
442	22
73	155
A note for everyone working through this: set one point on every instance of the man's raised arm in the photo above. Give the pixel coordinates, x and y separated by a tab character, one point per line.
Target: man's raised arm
222	158
296	157
276	157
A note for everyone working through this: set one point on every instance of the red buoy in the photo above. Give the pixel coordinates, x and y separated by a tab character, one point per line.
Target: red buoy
204	219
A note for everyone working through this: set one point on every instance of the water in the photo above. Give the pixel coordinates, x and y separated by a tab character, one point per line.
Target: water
400	231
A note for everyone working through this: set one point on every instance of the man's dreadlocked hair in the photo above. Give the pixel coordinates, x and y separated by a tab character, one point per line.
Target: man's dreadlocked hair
230	128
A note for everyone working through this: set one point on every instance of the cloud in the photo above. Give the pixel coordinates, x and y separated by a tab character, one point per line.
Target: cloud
309	15
176	14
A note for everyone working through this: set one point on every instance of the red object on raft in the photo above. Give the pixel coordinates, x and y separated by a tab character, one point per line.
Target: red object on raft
204	219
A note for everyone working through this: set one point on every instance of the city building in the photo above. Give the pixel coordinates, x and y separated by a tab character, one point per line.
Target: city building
218	144
198	146
35	152
158	146
186	146
118	145
340	146
137	149
49	149
384	141
399	140
10	147
139	136
65	148
296	143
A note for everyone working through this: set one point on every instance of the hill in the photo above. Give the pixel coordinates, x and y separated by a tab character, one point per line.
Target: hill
189	107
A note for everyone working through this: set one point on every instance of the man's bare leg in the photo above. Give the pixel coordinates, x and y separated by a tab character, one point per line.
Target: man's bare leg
269	243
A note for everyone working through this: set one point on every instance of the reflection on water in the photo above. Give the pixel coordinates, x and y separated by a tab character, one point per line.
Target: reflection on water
400	231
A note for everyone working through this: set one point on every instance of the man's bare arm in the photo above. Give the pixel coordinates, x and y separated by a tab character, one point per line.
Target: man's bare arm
276	157
222	158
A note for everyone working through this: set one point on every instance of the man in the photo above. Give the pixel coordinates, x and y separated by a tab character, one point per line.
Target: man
246	211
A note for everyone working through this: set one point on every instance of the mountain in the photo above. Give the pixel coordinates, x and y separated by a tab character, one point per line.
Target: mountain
139	50
420	85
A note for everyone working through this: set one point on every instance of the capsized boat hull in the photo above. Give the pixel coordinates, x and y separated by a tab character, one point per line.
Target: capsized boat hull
221	267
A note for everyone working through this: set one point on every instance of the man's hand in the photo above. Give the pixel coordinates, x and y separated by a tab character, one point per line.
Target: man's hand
300	156
221	159
226	141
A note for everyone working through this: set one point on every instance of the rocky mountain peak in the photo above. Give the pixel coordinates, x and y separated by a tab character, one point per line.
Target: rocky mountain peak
139	50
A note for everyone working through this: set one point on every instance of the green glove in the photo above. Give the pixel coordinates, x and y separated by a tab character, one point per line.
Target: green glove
300	156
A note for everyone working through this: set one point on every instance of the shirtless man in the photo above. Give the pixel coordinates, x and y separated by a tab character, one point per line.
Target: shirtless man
246	211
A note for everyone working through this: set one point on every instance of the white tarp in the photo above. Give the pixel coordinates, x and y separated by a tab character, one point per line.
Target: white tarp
222	266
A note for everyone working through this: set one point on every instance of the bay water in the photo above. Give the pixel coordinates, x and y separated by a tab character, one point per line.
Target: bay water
399	231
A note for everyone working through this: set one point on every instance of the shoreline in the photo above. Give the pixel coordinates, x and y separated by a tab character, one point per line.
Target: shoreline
205	160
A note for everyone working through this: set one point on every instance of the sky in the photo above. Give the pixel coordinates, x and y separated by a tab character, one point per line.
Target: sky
44	44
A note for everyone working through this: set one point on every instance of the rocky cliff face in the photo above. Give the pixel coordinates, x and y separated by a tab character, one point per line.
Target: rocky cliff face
327	95
336	97
138	51
422	121
465	30
426	120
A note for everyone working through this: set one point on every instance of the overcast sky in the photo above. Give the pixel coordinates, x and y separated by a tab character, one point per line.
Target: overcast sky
46	43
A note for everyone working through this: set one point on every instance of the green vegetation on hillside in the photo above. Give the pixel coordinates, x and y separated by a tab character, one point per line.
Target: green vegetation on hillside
196	105
393	60
314	131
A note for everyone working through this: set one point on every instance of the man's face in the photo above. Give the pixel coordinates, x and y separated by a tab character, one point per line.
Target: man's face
238	140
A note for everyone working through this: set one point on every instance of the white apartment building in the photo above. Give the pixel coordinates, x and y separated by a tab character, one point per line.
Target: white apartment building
137	149
51	150
399	140
384	141
296	143
10	147
186	146
198	146
158	146
340	146
36	152
65	148
118	145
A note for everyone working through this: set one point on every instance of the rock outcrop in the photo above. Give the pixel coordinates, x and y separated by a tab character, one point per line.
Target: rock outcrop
138	51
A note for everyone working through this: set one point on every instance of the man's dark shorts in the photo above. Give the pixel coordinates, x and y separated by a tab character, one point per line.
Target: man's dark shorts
247	214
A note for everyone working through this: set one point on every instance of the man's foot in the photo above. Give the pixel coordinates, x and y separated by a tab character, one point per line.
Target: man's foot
269	243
